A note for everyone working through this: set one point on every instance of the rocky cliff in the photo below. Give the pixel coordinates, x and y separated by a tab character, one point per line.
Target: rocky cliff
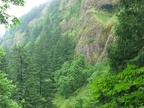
90	23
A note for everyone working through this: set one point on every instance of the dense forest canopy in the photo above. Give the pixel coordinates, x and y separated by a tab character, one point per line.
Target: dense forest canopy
74	54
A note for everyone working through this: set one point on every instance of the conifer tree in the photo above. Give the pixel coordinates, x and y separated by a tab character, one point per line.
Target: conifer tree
17	70
6	89
129	35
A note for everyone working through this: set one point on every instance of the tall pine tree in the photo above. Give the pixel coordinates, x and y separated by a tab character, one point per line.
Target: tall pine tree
129	35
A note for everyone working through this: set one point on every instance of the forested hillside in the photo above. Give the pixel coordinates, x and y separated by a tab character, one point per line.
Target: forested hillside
75	54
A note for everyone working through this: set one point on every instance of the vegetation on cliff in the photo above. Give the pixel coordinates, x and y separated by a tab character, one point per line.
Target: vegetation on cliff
75	54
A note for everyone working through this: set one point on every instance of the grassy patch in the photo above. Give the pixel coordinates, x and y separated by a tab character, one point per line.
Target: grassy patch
100	15
90	39
61	102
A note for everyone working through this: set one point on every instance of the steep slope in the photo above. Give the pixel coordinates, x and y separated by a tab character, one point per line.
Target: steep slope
83	20
19	33
49	53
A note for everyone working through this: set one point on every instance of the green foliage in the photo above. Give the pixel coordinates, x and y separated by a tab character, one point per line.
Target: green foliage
2	53
125	88
122	90
72	76
4	17
44	65
99	69
45	50
6	89
17	70
90	39
54	12
87	99
29	78
129	35
74	9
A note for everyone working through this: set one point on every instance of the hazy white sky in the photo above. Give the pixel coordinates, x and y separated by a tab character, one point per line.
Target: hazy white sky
29	4
19	11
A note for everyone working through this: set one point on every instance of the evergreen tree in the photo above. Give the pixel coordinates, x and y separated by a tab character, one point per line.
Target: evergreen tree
71	76
17	70
41	66
124	89
6	89
129	35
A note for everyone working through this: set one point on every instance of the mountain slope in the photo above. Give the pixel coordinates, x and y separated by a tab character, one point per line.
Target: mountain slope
84	21
50	53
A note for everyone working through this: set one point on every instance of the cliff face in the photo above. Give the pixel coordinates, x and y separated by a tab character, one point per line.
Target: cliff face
89	23
94	28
